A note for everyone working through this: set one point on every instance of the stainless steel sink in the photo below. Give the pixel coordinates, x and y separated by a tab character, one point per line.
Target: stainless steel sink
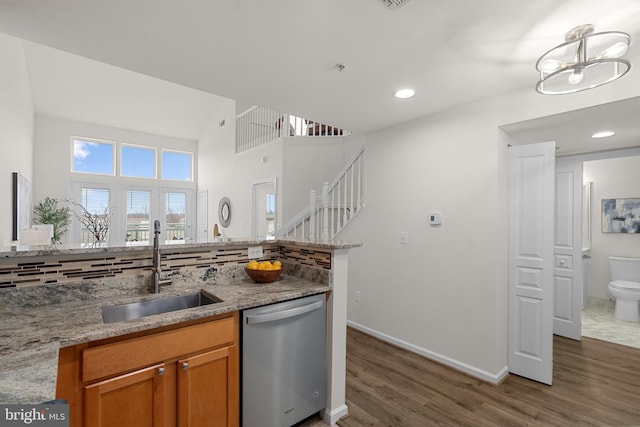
136	310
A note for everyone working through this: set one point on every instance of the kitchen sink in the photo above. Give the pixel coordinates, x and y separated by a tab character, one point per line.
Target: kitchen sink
136	310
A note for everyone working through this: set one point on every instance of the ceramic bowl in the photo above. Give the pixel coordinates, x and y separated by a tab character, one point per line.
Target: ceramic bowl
263	276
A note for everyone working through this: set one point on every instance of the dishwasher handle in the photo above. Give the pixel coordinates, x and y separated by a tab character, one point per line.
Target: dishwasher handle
285	314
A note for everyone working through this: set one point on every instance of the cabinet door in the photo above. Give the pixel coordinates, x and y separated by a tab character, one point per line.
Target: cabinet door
136	399
208	389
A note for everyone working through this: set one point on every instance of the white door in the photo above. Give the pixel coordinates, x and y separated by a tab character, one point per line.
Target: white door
567	250
530	277
202	222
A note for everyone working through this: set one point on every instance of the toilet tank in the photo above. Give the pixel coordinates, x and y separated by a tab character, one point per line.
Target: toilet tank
625	269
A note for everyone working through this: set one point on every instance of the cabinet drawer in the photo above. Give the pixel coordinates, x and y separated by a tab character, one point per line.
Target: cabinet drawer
112	359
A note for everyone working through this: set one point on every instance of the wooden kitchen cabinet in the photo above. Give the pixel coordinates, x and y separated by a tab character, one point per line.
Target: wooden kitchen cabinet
206	396
134	399
184	376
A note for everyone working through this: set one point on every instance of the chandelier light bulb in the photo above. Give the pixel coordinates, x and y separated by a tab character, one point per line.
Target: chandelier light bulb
576	77
615	51
550	65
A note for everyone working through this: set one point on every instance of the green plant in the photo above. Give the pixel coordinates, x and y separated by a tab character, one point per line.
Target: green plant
49	212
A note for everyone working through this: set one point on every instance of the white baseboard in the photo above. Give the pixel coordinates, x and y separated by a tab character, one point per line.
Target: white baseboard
332	417
460	366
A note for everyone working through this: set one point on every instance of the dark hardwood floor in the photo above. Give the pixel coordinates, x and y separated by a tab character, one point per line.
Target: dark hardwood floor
595	383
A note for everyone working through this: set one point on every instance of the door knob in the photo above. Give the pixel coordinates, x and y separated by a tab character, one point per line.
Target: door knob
185	366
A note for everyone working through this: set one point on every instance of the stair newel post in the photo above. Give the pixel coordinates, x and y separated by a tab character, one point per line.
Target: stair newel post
325	211
312	215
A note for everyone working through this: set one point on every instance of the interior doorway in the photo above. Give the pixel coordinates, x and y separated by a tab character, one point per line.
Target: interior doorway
264	212
607	175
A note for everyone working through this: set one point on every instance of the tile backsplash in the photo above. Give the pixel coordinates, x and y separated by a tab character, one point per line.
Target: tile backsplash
65	268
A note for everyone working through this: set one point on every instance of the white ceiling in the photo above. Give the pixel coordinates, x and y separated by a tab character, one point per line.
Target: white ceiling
572	131
283	54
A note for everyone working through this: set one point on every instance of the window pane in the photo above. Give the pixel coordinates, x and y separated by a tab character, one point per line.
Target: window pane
176	218
96	216
176	166
138	162
92	157
138	216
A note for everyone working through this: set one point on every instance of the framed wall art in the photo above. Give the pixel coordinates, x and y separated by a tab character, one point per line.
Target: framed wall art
21	204
621	215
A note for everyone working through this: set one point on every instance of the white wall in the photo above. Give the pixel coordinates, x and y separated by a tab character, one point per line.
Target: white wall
444	292
216	166
611	178
308	163
222	173
16	126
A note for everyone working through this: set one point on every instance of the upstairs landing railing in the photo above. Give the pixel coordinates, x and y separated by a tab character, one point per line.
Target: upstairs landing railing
340	201
259	125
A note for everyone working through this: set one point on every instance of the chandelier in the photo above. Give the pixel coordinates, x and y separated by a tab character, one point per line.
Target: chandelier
584	61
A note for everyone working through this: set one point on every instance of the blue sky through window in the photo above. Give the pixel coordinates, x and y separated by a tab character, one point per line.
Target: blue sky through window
138	162
176	166
92	157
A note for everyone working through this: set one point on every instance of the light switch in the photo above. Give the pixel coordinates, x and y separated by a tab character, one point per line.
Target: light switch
404	237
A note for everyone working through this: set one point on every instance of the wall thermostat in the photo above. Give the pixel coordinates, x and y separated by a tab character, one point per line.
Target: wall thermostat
434	218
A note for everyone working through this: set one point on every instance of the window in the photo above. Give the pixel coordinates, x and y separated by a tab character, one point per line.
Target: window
137	162
175	216
95	214
124	187
90	156
176	165
138	208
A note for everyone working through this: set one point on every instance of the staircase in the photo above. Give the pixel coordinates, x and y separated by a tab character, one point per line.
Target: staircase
328	213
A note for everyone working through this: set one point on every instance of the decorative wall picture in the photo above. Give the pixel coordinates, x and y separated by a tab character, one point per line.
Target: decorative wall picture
621	215
21	204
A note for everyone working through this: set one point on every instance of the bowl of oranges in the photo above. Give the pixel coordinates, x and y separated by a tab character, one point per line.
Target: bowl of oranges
263	271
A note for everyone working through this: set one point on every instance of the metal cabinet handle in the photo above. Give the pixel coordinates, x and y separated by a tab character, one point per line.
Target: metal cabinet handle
285	314
160	371
185	366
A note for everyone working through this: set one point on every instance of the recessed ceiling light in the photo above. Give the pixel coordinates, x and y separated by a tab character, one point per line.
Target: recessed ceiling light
405	93
603	134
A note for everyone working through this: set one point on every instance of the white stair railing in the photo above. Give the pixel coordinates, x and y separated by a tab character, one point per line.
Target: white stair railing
259	125
328	214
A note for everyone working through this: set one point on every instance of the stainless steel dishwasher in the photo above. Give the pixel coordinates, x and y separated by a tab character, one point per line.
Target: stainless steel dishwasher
283	362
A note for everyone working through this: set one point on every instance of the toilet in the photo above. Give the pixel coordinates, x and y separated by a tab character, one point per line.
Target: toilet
625	287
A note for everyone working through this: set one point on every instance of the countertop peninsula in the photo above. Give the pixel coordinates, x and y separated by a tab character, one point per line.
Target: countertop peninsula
36	321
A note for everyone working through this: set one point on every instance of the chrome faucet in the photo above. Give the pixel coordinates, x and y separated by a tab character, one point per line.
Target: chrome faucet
157	268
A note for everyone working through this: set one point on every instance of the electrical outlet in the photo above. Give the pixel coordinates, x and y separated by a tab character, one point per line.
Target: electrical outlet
255	252
356	296
404	237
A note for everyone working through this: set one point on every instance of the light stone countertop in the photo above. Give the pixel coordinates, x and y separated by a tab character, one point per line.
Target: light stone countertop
36	322
51	250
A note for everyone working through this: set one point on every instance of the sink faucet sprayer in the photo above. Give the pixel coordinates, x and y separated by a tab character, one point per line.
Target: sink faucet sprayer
155	278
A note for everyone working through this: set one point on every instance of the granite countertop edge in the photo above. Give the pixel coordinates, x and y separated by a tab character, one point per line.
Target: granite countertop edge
32	336
72	250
